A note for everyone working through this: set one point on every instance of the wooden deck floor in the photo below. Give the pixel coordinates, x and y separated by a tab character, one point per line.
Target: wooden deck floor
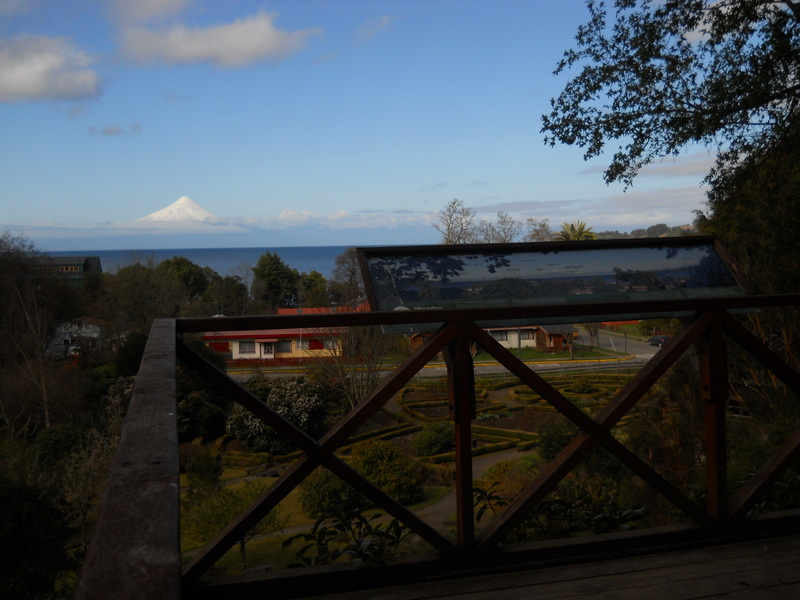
764	569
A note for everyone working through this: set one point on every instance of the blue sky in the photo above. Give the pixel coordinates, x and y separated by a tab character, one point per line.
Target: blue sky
298	122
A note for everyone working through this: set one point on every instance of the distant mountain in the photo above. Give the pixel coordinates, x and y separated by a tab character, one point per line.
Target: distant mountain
183	211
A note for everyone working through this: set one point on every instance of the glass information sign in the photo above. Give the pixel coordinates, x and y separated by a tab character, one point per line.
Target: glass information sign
557	273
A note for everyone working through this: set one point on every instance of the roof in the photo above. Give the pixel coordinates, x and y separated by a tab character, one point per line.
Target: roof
89	263
490	328
322	310
269	334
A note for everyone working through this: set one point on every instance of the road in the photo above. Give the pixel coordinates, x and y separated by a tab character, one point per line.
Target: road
635	354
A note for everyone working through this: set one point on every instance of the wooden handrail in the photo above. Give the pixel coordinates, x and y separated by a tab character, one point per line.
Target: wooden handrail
135	543
135	550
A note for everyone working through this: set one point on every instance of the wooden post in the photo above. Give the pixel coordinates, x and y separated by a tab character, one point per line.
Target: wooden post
461	395
713	364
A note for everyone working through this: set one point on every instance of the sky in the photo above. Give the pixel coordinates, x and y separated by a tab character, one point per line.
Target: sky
298	122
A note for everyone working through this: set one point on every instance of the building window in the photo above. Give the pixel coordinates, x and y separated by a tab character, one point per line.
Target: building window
310	344
500	336
526	334
267	348
248	347
283	346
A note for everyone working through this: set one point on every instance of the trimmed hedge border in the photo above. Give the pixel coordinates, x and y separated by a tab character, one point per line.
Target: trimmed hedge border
451	456
235	458
387	435
505	433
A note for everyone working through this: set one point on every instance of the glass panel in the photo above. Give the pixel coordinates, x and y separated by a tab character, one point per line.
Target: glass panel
537	274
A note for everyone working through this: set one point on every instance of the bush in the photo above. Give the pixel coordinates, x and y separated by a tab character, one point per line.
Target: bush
554	435
382	463
54	444
203	472
323	494
33	535
198	416
435	438
295	399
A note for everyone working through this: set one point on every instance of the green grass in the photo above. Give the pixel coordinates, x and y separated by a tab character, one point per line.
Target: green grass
267	550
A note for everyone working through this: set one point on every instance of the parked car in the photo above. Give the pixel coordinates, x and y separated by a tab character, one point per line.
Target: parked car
658	340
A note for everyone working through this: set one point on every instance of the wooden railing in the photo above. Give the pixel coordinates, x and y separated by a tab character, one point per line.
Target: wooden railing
135	549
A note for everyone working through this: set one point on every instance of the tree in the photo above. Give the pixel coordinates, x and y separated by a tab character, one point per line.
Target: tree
576	231
455	223
276	282
346	287
140	293
754	213
33	302
538	230
656	76
227	295
193	277
504	230
457	226
353	365
312	289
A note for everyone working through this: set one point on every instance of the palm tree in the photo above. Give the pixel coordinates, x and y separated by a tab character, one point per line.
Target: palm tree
575	231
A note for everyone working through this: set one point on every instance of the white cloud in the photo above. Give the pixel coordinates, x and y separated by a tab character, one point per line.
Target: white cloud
377	219
115	130
13	7
673	206
293	218
696	165
373	27
245	41
45	68
139	11
340	220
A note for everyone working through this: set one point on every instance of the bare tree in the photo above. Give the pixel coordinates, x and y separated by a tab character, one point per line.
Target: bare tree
346	286
538	230
353	363
456	223
504	230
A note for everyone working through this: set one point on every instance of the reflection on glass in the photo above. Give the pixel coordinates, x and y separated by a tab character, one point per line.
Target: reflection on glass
461	280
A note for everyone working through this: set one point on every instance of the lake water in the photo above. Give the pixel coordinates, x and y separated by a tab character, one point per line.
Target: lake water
224	261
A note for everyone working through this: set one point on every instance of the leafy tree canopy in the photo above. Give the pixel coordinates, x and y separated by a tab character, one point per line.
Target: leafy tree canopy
276	282
576	231
654	76
192	276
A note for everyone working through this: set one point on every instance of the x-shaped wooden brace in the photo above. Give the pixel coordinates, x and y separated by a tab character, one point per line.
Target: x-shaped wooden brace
316	452
594	431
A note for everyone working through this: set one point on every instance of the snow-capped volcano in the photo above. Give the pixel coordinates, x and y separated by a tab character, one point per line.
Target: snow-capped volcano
183	211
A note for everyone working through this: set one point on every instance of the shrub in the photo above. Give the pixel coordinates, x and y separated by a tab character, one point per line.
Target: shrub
54	444
487	417
323	494
199	417
295	399
203	471
383	464
554	435
435	438
584	386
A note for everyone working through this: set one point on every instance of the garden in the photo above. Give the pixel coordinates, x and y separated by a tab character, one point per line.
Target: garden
406	449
